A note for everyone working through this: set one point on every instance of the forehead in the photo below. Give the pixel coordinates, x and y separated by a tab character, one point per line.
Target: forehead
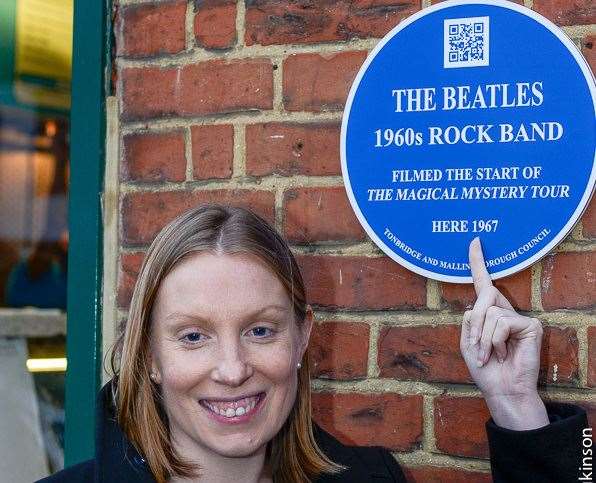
215	286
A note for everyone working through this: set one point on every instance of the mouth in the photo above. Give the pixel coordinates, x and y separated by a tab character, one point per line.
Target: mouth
233	410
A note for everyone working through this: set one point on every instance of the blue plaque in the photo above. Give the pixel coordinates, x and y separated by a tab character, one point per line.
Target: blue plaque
470	118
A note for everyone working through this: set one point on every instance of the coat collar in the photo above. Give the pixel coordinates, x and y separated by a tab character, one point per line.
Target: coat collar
117	459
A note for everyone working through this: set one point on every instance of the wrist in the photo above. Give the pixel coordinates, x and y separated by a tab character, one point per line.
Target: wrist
518	412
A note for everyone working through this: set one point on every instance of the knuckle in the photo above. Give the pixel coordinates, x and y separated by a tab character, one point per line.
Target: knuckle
499	335
537	323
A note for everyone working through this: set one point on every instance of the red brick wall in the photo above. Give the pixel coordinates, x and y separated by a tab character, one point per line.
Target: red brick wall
241	102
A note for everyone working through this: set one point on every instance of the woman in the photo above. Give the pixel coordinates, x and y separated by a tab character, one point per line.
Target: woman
213	376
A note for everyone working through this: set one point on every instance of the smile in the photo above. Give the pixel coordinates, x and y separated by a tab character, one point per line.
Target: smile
236	410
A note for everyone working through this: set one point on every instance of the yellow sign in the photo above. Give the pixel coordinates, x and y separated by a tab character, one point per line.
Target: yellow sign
44	38
43	51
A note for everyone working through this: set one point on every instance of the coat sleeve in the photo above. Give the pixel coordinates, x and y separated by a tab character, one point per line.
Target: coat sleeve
393	467
543	455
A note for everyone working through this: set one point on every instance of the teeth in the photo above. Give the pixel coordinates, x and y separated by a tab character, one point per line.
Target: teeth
230	412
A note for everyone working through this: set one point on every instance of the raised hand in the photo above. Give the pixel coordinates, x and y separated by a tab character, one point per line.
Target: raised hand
502	351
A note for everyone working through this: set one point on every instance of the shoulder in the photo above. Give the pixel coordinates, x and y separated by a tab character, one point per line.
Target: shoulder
363	464
82	472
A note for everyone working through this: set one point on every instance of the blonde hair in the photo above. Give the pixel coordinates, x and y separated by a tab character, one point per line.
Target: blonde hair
293	454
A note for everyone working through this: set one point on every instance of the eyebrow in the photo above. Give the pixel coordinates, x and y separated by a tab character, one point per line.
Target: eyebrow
179	316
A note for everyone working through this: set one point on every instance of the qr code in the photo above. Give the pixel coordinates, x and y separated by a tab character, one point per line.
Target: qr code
466	42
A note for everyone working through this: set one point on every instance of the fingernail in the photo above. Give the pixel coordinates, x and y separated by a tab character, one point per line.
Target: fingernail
480	358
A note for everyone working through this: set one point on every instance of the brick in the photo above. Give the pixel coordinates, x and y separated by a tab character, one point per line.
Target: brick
143	214
148	92
314	82
460	426
219	86
517	288
567	12
289	148
212	151
589	51
569	281
130	266
589	216
360	282
390	420
427	353
434	474
154	157
339	350
424	353
153	29
320	214
592	356
559	348
215	23
304	21
211	87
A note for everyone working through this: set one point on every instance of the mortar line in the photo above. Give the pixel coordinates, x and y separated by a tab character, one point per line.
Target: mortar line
535	287
188	154
278	104
386	385
245	52
239	160
582	355
428	420
433	294
441	460
279	196
189	31
245	117
240	23
372	368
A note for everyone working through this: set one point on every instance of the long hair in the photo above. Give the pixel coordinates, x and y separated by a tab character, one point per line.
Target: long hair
293	454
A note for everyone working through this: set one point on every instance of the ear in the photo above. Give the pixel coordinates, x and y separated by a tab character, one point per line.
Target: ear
155	373
305	330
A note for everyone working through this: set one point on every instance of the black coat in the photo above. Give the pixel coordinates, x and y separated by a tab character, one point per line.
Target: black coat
545	455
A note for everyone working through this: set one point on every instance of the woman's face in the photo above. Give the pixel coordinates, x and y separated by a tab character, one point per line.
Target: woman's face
224	348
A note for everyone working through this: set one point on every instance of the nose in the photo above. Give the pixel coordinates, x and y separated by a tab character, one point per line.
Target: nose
231	367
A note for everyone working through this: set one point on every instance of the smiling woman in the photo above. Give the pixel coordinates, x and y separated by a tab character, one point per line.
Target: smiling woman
214	353
212	381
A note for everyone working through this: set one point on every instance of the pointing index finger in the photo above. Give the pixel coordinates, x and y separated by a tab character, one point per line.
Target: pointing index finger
480	274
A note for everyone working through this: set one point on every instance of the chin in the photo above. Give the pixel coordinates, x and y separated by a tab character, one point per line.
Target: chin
237	446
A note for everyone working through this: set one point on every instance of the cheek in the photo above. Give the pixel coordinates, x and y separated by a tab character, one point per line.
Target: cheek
179	375
278	366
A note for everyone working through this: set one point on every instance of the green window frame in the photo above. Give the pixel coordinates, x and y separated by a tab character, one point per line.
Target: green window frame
90	86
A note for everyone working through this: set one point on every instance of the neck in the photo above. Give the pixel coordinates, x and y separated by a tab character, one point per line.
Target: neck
215	468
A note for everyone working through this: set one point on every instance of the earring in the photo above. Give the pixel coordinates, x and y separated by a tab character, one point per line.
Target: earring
153	376
299	365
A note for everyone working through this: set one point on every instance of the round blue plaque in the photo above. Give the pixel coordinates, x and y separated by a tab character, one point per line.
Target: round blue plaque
470	118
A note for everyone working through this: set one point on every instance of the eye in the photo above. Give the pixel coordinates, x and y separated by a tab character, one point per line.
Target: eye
193	337
260	332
